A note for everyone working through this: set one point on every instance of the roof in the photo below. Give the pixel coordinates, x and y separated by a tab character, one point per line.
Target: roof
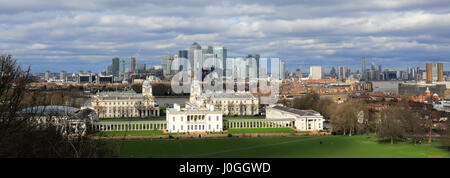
298	111
52	110
227	95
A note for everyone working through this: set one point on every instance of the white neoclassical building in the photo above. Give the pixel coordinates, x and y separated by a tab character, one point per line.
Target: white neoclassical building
232	104
126	104
193	119
305	120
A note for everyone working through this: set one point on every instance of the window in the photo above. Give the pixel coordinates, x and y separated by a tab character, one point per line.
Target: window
181	127
174	127
217	126
209	127
217	118
209	117
173	118
181	121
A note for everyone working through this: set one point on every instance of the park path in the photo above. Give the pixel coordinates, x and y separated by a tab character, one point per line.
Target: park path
253	147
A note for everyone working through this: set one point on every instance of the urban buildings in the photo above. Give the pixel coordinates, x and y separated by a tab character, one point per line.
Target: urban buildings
128	104
315	72
47	75
237	104
429	73
115	67
440	72
363	69
132	64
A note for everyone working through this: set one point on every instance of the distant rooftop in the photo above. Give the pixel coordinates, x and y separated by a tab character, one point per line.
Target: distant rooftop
298	111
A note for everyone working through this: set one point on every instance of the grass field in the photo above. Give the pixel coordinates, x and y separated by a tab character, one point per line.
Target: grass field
260	130
278	147
133	133
160	132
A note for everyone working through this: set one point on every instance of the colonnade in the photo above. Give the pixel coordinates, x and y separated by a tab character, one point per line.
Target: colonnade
130	126
259	123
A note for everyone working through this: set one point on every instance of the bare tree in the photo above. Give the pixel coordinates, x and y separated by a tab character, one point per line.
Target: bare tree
392	124
20	133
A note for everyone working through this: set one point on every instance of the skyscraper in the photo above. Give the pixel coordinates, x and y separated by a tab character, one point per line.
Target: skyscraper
282	70
122	67
132	64
342	73
440	72
363	69
429	77
220	53
166	64
63	75
47	75
315	72
141	68
115	66
194	46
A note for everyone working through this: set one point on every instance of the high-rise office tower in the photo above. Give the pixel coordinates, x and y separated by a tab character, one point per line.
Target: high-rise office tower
298	73
363	69
315	72
220	53
342	73
115	66
132	64
122	66
283	70
429	72
253	63
194	46
440	72
47	75
347	72
63	75
166	64
141	68
109	71
183	54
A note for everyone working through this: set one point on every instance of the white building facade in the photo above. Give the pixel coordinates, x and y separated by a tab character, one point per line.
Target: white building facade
193	119
126	104
315	72
305	120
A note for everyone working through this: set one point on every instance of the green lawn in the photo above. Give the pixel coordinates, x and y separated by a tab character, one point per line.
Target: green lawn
277	147
133	133
261	130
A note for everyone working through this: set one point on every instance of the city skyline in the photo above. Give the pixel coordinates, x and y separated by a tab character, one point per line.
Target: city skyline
67	36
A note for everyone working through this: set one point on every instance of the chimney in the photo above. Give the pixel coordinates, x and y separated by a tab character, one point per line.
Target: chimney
176	107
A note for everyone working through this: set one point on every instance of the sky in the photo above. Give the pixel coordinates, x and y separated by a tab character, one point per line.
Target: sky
86	34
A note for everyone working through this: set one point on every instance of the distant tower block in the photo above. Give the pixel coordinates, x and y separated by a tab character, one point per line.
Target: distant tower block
429	77
440	70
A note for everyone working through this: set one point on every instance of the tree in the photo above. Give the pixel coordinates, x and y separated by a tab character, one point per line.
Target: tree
306	102
446	136
20	135
345	117
392	125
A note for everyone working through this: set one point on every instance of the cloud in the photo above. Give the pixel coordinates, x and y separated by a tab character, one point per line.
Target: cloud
303	33
38	46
